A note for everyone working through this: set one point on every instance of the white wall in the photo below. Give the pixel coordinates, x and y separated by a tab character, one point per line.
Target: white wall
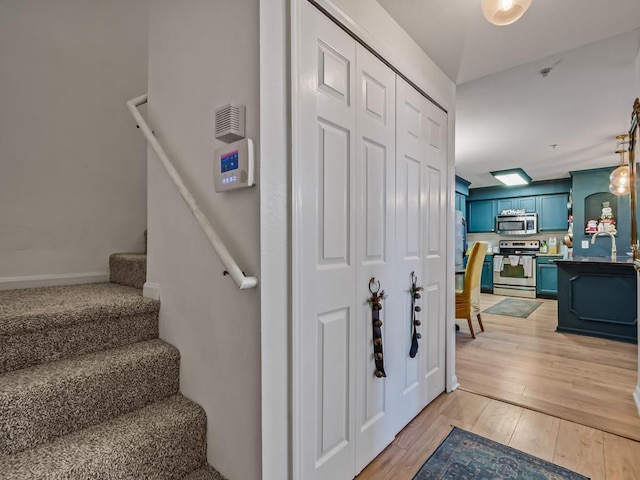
202	55
72	164
376	27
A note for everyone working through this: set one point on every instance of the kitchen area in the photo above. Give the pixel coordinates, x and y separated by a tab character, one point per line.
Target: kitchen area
566	239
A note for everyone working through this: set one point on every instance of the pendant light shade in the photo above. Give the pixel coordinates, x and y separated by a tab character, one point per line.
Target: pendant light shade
619	190
620	176
504	12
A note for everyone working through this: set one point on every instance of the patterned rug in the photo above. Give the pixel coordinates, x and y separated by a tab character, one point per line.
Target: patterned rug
514	307
464	455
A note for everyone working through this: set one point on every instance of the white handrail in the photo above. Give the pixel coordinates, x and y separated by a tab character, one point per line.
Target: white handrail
241	280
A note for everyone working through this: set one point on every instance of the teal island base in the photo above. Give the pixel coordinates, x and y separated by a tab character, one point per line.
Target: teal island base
597	297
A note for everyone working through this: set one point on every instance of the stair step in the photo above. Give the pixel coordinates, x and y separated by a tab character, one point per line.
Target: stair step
165	440
128	269
55	399
39	325
206	473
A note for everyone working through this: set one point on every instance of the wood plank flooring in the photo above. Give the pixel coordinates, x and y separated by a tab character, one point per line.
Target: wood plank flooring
524	361
591	452
564	398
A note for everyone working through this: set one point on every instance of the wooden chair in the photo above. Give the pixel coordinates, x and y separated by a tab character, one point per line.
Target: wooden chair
468	299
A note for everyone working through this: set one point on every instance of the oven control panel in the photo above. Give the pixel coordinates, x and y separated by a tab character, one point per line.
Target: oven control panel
519	246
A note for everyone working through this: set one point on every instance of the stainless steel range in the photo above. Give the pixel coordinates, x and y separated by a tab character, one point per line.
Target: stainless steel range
514	268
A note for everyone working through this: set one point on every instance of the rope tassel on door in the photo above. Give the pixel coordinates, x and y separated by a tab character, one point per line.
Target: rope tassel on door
375	300
415	295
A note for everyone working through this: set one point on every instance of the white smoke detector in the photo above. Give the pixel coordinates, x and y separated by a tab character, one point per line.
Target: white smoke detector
230	121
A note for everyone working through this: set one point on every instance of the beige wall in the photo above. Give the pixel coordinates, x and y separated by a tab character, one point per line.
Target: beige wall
203	55
72	164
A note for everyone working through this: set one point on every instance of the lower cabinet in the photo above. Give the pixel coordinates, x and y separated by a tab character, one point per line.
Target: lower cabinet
486	281
547	277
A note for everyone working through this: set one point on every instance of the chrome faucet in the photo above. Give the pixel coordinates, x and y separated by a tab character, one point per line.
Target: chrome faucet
613	242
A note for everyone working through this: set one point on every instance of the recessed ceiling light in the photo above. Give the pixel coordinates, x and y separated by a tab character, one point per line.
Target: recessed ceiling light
513	176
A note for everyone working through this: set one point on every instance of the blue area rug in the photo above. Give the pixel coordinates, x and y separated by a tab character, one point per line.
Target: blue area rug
464	455
514	307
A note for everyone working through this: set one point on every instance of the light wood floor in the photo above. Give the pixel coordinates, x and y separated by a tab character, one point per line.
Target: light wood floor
583	384
591	452
524	361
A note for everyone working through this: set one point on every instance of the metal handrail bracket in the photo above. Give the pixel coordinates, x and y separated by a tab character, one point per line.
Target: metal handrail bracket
243	282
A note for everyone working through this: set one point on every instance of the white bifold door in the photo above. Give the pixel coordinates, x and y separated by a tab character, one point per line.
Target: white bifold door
369	201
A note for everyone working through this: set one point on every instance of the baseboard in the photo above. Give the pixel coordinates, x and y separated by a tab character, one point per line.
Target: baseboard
453	384
636	397
11	283
151	290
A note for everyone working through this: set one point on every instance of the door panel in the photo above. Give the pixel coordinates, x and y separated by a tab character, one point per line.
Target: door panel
435	260
375	186
324	249
421	233
334	193
333	382
409	227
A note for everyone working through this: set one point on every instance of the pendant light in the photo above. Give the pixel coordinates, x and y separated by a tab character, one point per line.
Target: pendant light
619	190
504	12
620	177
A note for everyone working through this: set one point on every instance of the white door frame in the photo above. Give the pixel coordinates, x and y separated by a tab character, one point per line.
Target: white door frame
278	18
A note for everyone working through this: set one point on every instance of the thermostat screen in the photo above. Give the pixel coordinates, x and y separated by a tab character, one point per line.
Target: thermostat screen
229	162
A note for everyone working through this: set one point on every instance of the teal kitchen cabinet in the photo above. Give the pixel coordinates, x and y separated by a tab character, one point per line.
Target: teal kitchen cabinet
528	204
547	277
552	212
481	216
486	281
461	203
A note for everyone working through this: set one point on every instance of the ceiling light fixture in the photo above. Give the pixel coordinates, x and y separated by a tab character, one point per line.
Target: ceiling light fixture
513	176
504	12
620	177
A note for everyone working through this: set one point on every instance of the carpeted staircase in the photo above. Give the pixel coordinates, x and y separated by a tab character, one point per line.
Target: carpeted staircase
89	391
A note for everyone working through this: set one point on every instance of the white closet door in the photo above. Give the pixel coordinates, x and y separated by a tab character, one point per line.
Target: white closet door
375	415
324	261
421	167
369	183
434	253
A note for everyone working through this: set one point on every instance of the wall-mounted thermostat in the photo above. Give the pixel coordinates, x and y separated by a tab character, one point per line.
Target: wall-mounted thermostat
233	166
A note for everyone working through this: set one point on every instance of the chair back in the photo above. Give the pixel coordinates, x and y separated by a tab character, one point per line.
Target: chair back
473	272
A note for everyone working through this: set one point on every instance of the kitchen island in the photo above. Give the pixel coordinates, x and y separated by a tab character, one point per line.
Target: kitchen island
597	297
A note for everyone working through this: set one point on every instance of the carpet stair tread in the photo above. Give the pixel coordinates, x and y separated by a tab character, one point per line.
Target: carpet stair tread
206	473
54	399
34	309
164	440
40	325
128	269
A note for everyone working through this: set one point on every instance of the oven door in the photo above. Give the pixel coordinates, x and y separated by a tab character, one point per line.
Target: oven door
514	270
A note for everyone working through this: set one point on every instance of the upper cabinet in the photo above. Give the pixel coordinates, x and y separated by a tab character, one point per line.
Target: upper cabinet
528	204
461	203
548	199
462	191
552	212
481	216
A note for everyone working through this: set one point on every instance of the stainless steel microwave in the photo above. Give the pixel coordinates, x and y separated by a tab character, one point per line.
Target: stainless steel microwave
519	224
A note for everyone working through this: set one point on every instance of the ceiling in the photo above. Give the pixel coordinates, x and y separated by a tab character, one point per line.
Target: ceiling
507	114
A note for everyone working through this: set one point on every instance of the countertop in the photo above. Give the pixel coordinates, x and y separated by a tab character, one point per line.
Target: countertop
559	255
622	261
